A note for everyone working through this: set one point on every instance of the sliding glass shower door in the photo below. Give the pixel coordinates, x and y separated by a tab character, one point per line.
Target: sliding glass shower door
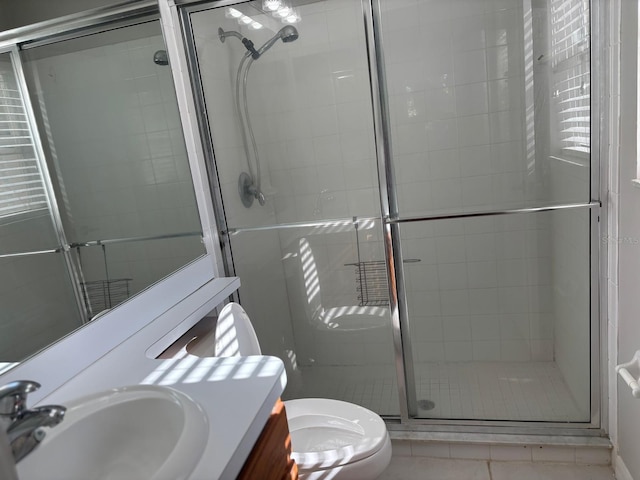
301	211
405	190
490	135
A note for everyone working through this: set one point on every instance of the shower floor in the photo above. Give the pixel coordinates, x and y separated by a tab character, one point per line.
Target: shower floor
520	391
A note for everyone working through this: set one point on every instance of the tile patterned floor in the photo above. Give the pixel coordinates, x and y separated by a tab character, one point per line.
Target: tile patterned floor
404	468
525	391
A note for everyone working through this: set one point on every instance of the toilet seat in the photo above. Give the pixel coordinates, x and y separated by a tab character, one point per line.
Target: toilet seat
329	433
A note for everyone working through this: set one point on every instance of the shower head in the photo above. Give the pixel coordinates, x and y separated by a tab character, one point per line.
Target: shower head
161	58
287	34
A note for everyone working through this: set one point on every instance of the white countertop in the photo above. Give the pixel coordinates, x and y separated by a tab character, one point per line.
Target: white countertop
237	393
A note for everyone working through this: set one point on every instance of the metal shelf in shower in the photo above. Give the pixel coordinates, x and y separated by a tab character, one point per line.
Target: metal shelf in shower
105	294
371	283
371	277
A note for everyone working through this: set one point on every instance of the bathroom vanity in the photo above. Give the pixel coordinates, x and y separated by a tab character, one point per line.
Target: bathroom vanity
270	458
235	394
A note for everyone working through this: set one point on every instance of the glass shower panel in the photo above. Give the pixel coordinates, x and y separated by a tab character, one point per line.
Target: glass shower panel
25	220
318	298
317	301
38	304
493	112
499	313
113	139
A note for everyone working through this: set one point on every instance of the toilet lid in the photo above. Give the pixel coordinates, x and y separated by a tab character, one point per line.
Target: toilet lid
327	433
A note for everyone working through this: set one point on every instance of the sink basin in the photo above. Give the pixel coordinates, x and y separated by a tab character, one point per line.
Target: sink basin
138	432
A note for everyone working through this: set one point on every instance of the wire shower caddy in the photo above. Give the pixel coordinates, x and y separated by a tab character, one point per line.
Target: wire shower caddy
372	285
103	294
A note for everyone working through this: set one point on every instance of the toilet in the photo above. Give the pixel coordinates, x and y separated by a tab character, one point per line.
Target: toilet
331	439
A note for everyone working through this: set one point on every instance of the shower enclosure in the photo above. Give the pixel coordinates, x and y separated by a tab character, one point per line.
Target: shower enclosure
425	243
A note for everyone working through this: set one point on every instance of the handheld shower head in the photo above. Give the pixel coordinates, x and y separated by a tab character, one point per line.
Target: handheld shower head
161	58
287	34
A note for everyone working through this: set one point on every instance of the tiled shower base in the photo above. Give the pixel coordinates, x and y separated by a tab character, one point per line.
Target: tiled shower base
520	391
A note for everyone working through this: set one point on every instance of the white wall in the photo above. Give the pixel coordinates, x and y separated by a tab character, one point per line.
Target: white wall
628	240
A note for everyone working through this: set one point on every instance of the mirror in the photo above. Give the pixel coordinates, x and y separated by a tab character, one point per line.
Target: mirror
108	120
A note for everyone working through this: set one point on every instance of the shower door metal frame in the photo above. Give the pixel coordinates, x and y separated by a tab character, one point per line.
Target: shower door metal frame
389	208
77	24
407	421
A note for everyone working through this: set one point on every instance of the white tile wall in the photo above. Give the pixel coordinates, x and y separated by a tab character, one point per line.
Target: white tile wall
457	108
480	282
460	99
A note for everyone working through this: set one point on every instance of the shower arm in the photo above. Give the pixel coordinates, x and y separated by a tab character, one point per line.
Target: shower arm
248	44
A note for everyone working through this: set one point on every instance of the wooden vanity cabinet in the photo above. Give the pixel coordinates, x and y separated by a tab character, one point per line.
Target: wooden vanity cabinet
270	458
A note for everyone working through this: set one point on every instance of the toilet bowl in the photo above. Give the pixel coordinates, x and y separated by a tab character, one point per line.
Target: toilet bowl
331	439
337	440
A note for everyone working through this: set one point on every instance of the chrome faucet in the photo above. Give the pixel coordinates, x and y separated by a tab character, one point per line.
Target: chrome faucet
23	425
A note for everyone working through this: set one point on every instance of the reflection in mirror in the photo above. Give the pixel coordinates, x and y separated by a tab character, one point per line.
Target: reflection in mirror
115	143
108	119
25	223
38	305
36	293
